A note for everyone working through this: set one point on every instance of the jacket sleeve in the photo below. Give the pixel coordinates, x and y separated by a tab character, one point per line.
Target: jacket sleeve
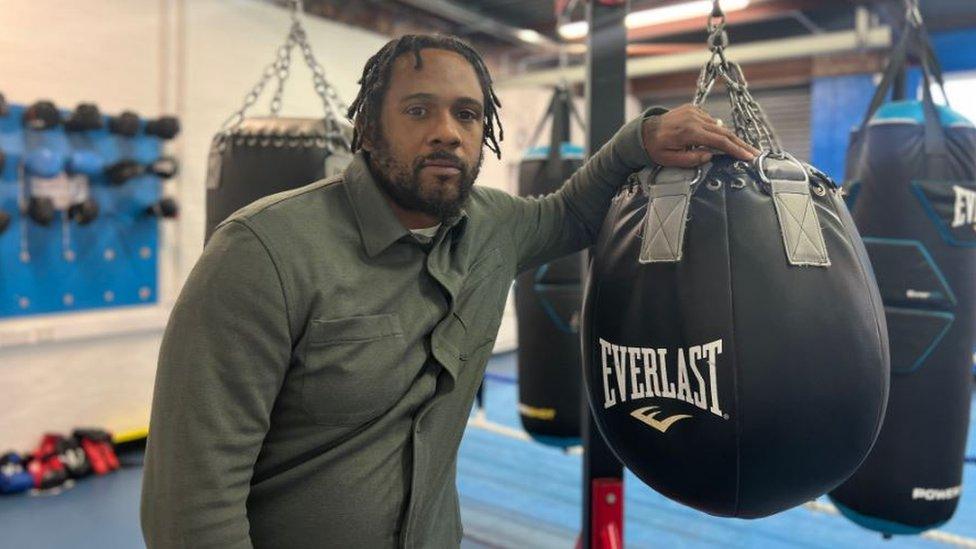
569	220
221	365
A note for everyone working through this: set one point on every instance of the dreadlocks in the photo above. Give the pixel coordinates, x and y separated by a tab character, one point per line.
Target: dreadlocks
365	110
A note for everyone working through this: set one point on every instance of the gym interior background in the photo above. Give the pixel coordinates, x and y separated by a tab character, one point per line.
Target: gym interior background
80	328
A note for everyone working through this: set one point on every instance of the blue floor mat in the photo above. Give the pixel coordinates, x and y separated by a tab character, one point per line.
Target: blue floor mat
97	513
525	494
514	494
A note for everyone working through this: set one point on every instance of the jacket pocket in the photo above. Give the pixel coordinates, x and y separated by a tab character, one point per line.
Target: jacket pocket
351	369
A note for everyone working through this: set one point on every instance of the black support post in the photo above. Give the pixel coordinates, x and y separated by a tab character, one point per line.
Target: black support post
606	79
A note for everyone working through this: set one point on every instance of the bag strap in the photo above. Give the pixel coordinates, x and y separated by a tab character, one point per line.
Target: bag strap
896	62
916	41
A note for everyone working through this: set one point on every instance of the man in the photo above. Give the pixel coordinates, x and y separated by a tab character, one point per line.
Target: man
320	364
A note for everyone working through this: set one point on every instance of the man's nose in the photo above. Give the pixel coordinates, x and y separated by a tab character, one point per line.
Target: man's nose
445	132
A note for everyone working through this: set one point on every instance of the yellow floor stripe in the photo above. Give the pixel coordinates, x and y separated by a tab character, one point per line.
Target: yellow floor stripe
130	436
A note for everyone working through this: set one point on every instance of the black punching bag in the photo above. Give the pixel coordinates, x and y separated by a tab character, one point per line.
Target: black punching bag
547	301
735	351
912	168
263	156
252	157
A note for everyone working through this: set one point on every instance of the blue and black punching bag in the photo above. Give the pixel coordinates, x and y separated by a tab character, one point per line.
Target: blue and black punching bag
547	300
912	176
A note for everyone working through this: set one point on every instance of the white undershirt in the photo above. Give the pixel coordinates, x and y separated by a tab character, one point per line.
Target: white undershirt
426	233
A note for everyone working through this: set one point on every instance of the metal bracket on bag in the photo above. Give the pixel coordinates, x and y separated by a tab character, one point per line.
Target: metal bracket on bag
799	224
667	212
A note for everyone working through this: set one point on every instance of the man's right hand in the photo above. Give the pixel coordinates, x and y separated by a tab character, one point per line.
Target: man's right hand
677	137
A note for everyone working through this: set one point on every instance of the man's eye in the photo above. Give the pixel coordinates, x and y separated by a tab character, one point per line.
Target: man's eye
468	115
417	111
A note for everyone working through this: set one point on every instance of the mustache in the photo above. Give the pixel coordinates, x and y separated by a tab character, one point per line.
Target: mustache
440	157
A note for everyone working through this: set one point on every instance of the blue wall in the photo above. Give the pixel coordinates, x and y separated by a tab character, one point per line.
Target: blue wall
839	102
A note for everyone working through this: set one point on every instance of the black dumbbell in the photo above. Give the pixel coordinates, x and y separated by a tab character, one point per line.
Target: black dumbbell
42	115
41	210
123	170
165	127
4	221
4	109
86	116
126	124
84	212
164	167
165	208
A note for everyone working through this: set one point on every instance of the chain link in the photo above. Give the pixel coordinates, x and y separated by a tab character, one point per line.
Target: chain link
280	70
913	13
748	119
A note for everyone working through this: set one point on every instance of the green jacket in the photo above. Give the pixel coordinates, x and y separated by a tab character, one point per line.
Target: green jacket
320	364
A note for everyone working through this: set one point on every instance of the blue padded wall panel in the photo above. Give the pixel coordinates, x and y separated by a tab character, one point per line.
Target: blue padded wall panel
114	259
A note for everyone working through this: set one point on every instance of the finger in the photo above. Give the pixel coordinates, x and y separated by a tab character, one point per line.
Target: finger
719	140
723	142
734	138
683	159
704	116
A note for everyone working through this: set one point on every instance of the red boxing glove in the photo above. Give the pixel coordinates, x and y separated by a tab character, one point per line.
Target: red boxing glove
47	470
97	445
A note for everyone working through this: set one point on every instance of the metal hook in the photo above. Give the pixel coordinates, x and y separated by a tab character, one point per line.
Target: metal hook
717	14
913	13
295	7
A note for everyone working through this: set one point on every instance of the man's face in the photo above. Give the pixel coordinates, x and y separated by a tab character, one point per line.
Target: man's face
431	130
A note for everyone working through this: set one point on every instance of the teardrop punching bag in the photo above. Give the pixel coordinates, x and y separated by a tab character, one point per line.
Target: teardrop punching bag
266	155
547	300
735	352
252	157
912	168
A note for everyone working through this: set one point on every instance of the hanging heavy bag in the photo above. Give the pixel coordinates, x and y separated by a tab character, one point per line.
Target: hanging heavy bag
548	298
912	166
253	157
735	351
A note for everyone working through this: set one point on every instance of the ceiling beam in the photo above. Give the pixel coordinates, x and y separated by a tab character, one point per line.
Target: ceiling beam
767	74
751	52
773	9
476	21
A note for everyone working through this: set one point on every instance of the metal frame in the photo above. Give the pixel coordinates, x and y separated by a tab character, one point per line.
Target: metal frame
606	63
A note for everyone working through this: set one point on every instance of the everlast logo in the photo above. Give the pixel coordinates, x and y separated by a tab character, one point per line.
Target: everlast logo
965	209
640	373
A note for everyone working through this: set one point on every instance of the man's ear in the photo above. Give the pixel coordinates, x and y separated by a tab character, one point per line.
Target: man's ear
365	140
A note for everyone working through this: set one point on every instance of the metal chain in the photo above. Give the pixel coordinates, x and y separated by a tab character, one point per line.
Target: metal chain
748	119
252	96
280	69
334	106
913	13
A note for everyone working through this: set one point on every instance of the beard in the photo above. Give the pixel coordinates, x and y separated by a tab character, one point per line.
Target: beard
403	182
